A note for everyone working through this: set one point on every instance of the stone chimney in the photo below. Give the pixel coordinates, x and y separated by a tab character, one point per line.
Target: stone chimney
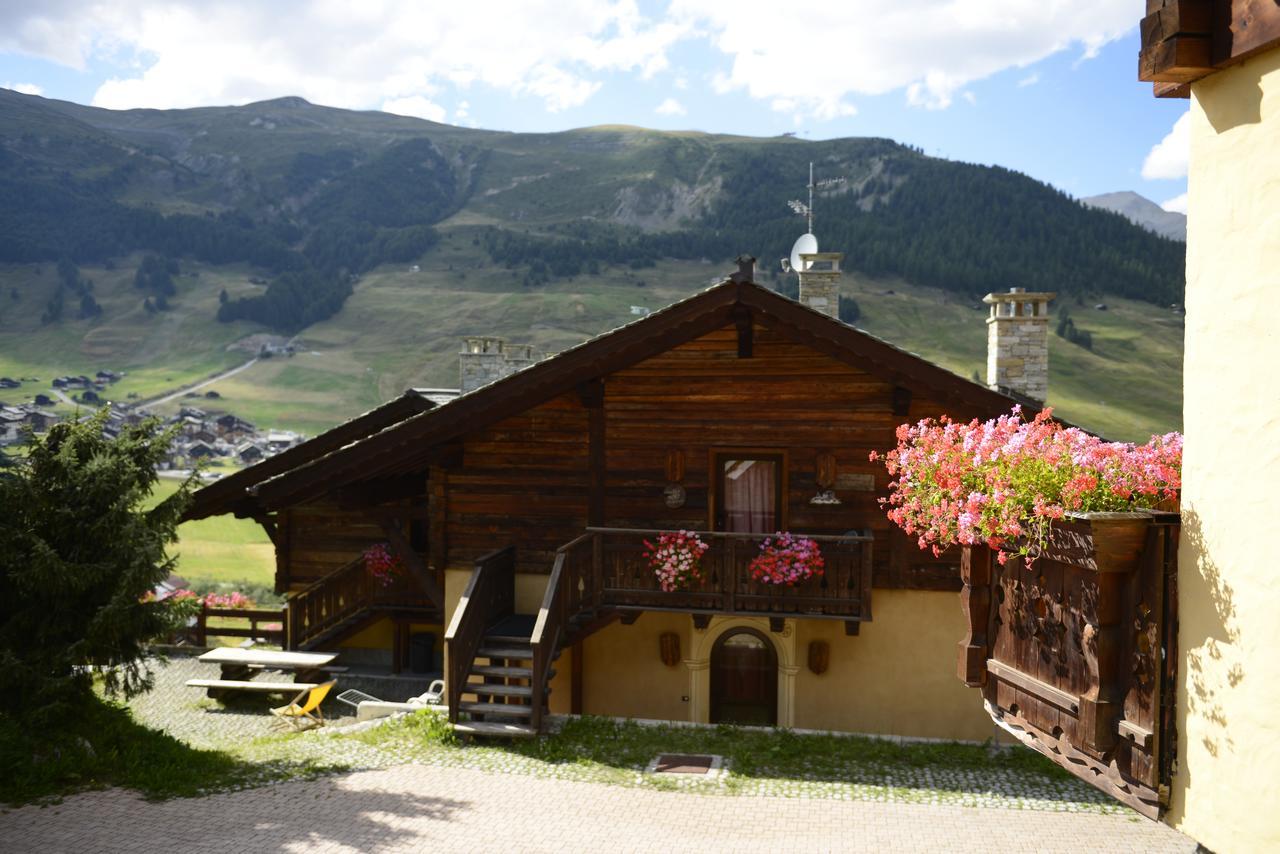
1018	342
485	359
820	281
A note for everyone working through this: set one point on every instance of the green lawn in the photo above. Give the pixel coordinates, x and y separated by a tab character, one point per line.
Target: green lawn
221	549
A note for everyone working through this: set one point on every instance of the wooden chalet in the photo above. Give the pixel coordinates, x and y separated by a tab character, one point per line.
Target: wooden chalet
521	509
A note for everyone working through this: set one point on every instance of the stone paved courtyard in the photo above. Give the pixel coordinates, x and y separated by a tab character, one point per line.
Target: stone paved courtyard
424	808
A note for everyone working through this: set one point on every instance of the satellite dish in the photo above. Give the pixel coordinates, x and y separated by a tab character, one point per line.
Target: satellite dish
806	244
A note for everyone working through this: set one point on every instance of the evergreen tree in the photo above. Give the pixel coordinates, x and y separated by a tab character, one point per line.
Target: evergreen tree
78	553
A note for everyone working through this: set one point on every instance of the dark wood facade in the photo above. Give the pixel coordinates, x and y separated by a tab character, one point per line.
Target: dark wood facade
601	435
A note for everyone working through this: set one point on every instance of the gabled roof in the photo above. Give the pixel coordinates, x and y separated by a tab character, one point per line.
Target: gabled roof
417	440
229	494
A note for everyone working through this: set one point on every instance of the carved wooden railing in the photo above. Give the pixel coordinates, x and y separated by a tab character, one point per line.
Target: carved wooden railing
619	576
1076	652
569	593
342	594
489	597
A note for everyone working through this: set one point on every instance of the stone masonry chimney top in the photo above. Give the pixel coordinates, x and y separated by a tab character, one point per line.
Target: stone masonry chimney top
1018	342
820	281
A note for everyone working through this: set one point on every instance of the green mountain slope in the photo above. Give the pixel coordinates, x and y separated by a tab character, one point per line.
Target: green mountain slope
311	220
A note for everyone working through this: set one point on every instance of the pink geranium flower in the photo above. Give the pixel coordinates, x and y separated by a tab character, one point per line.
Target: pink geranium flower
1002	482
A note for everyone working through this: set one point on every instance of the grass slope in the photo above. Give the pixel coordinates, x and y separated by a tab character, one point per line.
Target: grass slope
402	328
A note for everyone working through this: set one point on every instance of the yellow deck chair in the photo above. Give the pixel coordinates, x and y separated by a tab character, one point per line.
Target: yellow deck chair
304	715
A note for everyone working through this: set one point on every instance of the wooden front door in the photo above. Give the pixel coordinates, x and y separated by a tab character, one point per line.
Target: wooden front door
744	679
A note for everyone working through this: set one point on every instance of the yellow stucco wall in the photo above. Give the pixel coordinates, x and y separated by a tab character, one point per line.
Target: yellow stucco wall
897	677
623	674
1224	792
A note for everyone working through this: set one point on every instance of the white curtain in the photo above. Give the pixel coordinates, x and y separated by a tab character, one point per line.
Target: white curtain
749	496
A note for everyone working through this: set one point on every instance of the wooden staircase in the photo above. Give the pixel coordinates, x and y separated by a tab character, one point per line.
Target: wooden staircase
504	659
347	600
501	680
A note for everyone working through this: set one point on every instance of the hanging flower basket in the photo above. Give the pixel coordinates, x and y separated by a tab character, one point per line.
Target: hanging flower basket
1004	483
676	559
382	564
787	560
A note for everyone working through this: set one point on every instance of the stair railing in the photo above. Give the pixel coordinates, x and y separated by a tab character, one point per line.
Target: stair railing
562	599
328	601
489	597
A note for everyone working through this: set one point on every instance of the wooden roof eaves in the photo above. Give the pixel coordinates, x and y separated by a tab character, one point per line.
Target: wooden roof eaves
231	493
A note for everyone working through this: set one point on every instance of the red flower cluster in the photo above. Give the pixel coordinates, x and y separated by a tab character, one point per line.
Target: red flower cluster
787	559
677	559
381	563
1003	481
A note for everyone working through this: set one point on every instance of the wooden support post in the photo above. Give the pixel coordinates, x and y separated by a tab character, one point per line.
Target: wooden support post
975	601
701	621
575	683
777	624
746	332
851	628
901	401
437	512
592	394
629	617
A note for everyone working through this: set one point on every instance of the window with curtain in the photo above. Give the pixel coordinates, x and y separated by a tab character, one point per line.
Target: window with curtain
750	494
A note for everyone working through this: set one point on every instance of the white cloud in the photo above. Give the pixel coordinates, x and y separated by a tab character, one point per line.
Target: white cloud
178	53
969	97
1178	204
1168	158
681	83
1030	80
670	107
24	88
415	105
817	53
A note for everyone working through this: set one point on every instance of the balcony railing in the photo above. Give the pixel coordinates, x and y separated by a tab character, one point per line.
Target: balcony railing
606	569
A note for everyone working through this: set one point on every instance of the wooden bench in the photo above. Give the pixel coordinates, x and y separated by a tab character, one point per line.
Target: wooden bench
219	687
328	668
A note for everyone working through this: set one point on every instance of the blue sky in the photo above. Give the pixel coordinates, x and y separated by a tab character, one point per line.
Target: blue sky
1045	88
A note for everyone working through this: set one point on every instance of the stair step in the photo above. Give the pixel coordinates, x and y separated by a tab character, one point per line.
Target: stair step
509	651
507	672
508	640
493	689
495	729
514	710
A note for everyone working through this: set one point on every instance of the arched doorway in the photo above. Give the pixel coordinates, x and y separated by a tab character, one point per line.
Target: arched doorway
744	679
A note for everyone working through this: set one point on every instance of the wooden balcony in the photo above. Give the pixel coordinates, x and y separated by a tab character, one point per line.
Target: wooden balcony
605	569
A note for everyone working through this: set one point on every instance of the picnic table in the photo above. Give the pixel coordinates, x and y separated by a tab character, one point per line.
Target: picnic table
238	666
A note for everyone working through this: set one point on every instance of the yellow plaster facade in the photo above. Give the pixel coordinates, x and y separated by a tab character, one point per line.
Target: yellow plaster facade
896	677
1224	791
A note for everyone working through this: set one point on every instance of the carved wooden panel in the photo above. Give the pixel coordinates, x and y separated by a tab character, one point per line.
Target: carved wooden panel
1070	652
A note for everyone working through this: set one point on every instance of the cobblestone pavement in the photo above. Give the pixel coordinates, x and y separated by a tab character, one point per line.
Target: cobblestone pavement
423	808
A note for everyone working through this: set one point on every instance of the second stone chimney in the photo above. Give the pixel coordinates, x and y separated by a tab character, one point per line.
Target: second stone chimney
485	359
820	281
1018	342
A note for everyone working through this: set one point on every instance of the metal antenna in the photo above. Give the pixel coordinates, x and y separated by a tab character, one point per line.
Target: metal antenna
801	208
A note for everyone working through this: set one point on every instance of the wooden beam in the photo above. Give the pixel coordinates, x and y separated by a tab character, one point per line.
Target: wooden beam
370	493
701	621
1171	90
777	624
575	678
437	514
746	332
1182	59
418	569
268	523
852	627
596	460
1175	18
629	617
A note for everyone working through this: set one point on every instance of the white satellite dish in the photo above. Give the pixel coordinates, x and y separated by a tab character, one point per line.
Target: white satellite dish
806	244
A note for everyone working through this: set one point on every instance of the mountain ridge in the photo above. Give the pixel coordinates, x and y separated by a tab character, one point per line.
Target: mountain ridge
1140	210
